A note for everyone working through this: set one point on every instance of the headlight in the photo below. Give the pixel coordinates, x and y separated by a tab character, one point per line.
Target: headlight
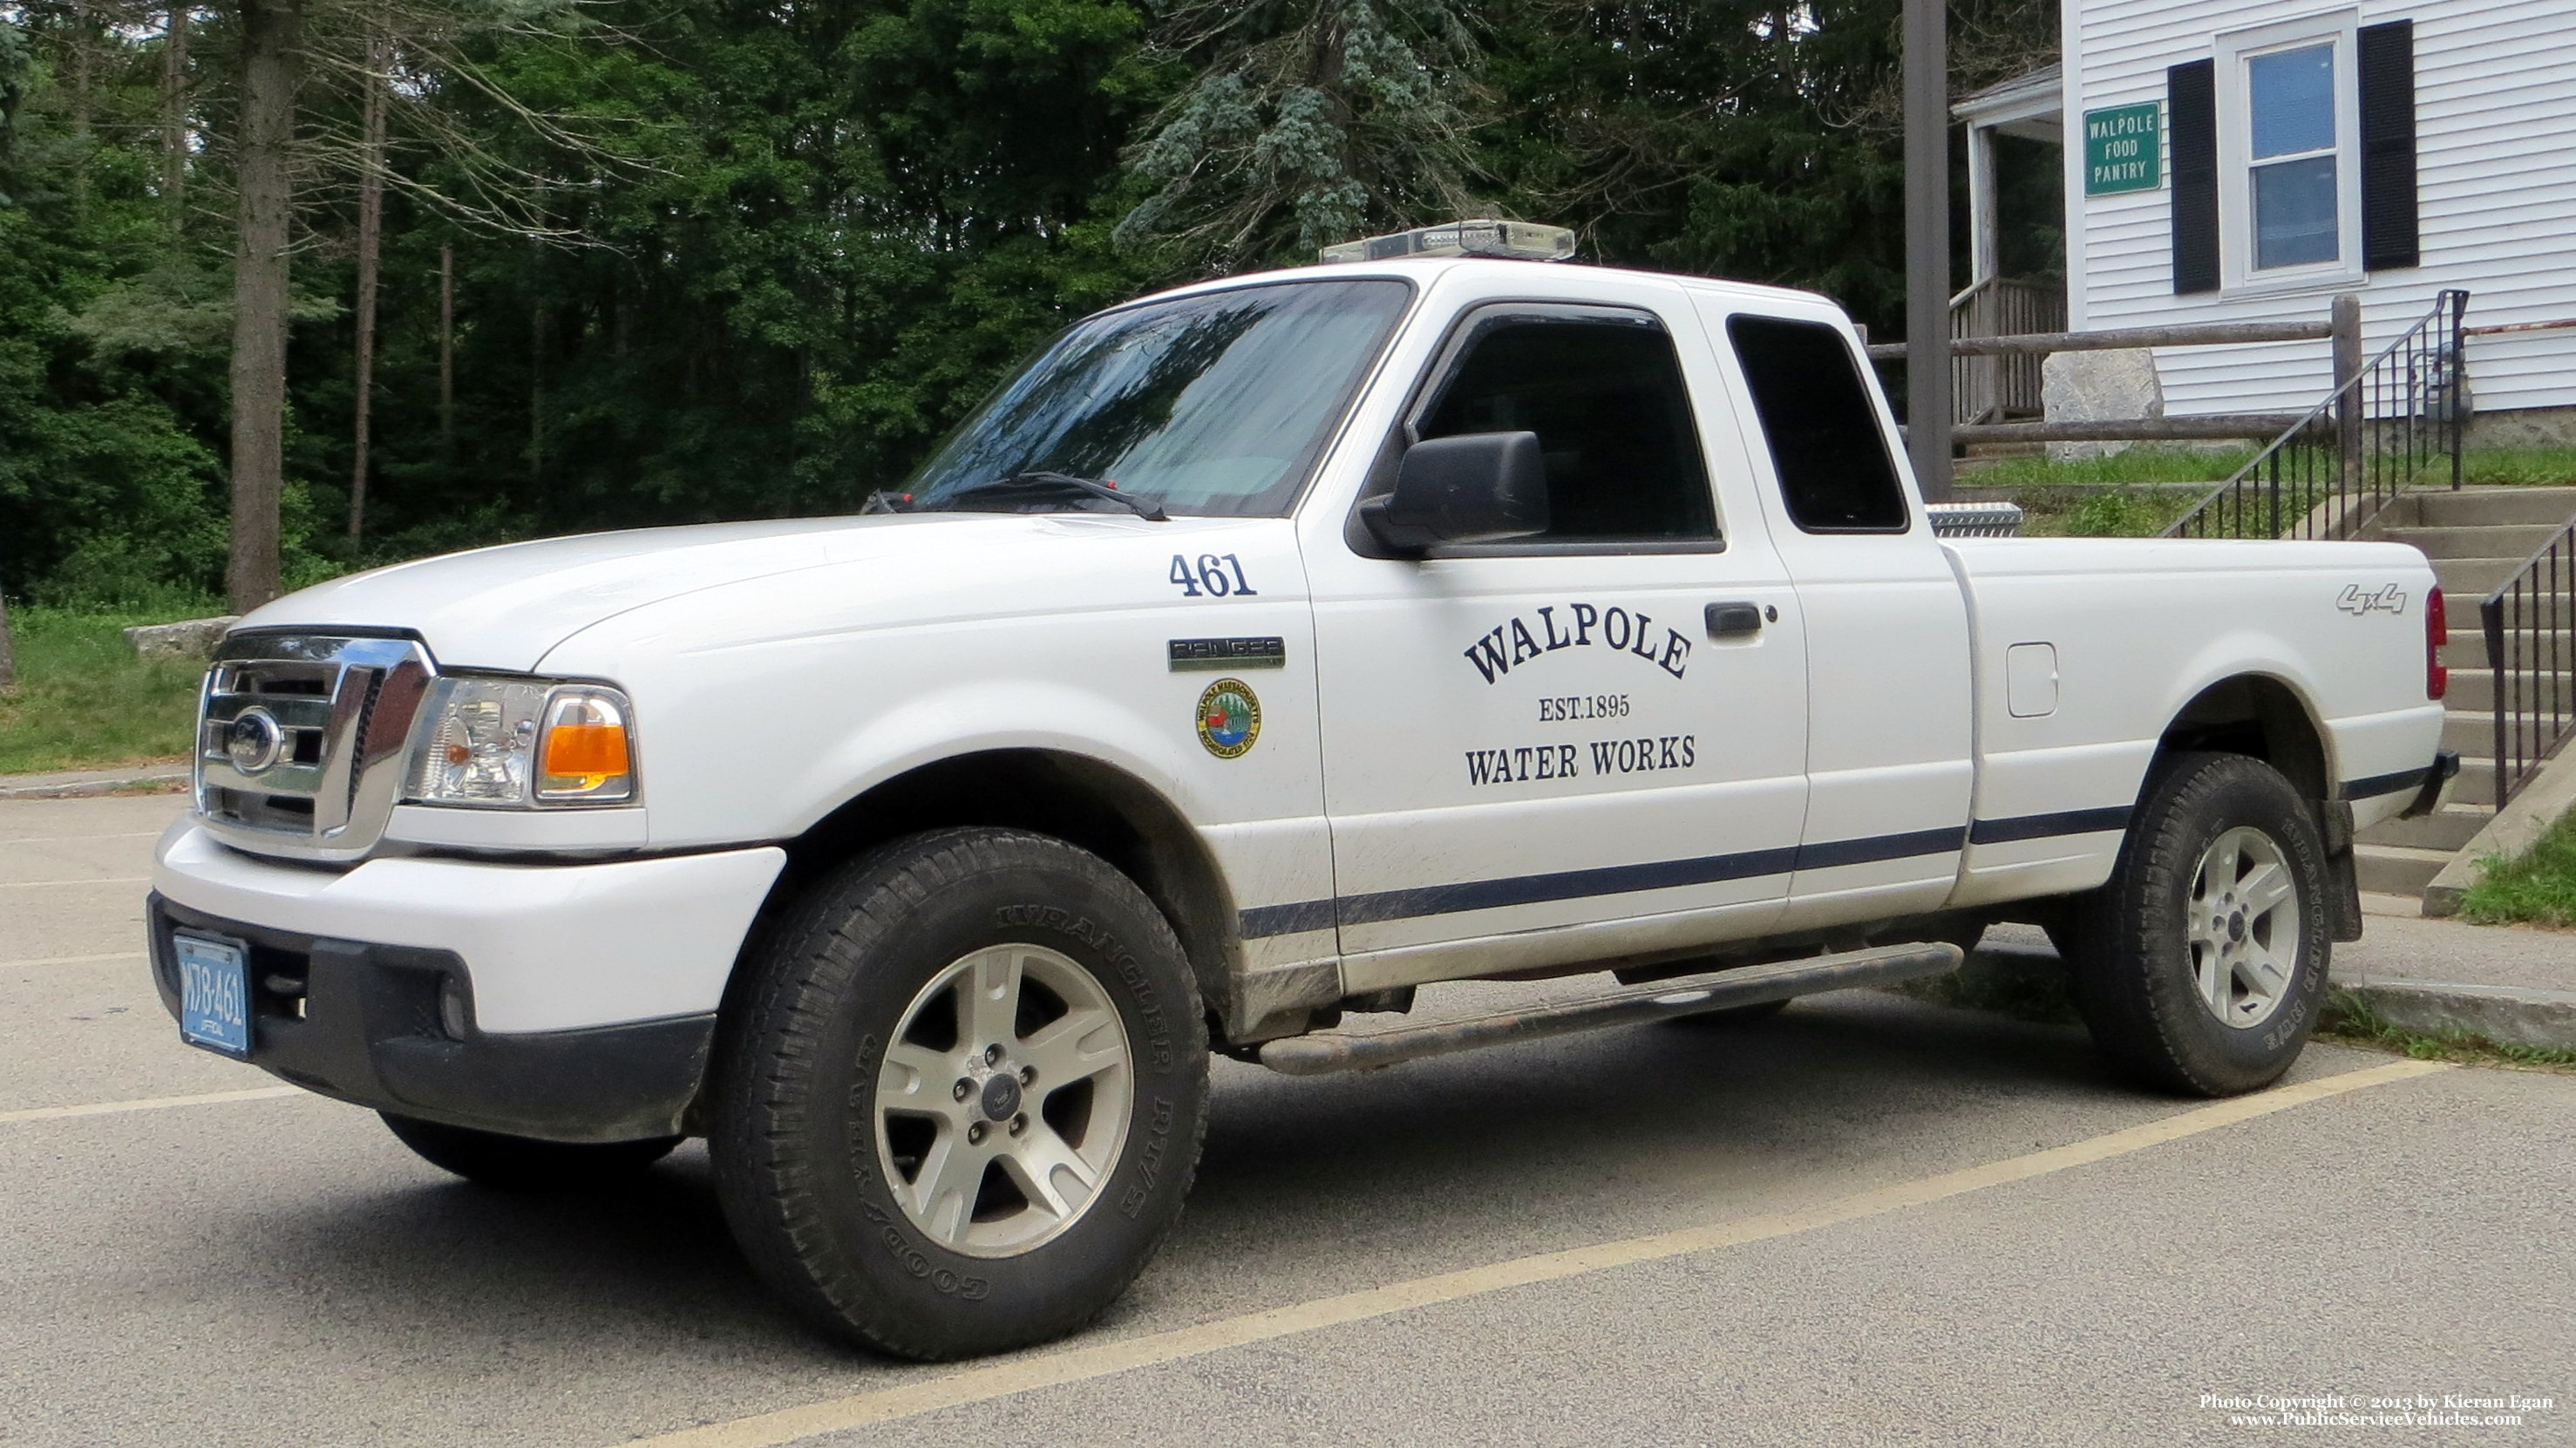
512	743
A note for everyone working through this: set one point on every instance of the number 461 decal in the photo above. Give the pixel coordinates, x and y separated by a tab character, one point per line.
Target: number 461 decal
1209	578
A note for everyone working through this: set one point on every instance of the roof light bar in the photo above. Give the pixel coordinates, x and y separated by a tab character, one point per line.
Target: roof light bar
1516	240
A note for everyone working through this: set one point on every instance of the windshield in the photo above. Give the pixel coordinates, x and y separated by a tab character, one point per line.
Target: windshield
1213	404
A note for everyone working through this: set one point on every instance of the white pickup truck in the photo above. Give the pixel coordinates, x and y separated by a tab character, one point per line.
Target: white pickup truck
1266	649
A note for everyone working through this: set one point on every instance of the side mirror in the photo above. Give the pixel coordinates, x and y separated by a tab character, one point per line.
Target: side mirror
1482	487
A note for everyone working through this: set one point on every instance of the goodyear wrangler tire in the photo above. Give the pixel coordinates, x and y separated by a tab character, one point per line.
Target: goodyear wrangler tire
958	1104
2201	966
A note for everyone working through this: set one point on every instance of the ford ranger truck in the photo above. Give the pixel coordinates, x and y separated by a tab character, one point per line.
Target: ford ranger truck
1267	649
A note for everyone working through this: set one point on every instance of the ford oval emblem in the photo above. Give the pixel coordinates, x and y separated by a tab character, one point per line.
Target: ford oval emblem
253	740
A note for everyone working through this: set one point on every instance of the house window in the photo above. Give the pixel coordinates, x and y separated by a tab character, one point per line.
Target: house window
2290	123
2289	170
2294	156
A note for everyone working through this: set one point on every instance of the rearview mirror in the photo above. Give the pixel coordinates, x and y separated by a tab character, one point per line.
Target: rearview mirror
1483	487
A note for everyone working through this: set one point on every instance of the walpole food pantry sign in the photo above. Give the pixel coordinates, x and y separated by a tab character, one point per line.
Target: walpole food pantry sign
2124	149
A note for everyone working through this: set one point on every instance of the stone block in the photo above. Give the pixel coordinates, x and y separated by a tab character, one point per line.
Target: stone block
2098	387
193	638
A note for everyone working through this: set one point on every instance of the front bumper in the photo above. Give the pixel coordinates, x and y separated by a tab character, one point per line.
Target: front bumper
362	1023
586	993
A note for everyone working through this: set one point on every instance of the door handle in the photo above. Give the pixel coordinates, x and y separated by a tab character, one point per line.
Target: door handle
1733	620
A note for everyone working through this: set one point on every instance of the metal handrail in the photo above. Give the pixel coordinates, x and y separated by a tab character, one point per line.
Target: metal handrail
2386	422
2526	620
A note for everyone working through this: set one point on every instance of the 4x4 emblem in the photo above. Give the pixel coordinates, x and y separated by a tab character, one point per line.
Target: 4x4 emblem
2391	599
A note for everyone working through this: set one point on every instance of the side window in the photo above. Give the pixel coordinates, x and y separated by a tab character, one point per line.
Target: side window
1603	390
1825	441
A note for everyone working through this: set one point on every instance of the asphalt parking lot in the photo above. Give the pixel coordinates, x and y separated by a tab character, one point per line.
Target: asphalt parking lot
1868	1220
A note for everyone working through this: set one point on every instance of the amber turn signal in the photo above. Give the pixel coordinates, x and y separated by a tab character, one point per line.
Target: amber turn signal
586	753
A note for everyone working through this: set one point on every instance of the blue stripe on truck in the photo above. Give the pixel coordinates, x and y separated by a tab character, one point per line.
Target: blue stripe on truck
1303	915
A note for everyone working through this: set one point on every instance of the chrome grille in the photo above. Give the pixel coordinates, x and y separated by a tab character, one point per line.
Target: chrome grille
301	740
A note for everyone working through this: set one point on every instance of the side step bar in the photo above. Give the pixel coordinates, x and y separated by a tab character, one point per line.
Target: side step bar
1691	995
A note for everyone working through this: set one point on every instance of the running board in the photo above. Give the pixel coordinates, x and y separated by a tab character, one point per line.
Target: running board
1692	995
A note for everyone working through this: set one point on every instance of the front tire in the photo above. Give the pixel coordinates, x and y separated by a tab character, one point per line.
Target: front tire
520	1163
958	1107
2201	967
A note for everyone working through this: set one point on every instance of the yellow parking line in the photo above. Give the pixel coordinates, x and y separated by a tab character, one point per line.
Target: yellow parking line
41	884
150	1103
1080	1364
72	959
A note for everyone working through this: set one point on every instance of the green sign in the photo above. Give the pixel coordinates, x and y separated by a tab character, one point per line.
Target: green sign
2124	149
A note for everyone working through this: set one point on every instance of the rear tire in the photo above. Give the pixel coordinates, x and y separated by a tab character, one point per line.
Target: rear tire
520	1163
2201	967
958	1106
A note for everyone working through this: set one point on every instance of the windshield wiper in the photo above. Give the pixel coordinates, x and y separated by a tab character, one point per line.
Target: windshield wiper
1051	486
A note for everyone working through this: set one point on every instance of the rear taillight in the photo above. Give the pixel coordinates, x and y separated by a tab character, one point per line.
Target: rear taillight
2437	631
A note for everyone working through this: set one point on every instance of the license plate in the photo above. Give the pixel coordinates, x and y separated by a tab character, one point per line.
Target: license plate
214	994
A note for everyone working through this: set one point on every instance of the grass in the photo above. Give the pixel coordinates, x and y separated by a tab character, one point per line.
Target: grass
2134	494
2517	467
2537	887
84	701
2351	1022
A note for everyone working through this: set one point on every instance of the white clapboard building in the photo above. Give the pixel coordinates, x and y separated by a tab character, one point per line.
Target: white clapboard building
2245	160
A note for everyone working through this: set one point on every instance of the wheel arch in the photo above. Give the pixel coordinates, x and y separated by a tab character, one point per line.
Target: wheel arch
1071	797
2262	716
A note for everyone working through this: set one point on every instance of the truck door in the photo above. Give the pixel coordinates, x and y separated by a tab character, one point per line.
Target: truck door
1572	746
1889	748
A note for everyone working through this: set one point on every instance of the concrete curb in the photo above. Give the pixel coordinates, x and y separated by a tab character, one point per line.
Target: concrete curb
2502	1014
2515	828
166	780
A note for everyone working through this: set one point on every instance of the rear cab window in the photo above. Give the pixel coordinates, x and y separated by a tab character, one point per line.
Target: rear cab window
1827	448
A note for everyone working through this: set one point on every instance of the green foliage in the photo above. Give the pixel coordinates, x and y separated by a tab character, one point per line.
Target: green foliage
1309	123
809	239
2538	887
83	700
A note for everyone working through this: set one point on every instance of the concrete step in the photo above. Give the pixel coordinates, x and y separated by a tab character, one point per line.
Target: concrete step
2472	731
2479	507
2466	647
2397	869
2475	688
2501	540
2471	579
2467	581
2477	783
2446	829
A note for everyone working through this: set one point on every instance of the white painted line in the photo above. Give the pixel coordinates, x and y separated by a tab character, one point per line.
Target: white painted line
151	1103
76	839
72	959
1081	1364
57	884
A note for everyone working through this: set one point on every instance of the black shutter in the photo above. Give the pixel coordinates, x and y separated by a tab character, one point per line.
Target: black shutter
2388	232
2191	95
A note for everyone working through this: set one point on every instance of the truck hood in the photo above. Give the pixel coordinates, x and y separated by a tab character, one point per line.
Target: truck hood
503	608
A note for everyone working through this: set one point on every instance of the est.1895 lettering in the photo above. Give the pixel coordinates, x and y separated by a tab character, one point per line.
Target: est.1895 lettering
1580	707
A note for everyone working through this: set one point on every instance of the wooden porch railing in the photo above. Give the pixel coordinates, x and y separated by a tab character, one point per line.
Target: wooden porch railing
2000	388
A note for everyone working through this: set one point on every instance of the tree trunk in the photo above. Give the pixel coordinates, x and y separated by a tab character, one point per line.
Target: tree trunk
82	48
371	230
174	119
447	353
270	33
8	660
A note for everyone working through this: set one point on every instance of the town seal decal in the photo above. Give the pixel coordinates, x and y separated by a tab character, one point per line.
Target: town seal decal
1229	718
